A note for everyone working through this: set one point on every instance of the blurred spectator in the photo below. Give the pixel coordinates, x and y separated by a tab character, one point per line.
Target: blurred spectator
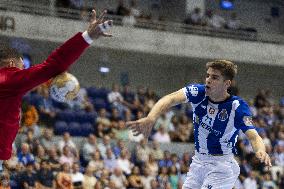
45	177
89	180
135	179
47	110
109	161
233	23
214	20
121	132
104	178
67	141
156	151
31	140
81	102
267	183
163	177
25	156
96	164
166	161
127	94
142	152
89	147
76	176
63	178
103	123
115	98
40	154
162	136
29	177
104	145
195	18
250	182
245	168
118	178
165	121
173	177
133	13
67	156
5	180
152	166
120	145
124	163
47	140
176	163
53	159
146	178
31	119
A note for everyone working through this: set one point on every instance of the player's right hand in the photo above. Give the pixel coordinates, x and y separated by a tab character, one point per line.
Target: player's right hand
142	126
99	27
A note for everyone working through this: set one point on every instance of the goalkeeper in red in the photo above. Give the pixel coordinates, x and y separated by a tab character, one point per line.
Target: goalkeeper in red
15	81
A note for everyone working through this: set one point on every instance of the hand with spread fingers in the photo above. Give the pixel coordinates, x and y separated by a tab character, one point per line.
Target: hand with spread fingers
141	126
99	27
264	158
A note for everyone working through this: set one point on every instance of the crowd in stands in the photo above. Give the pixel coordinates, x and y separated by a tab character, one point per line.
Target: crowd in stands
104	160
131	12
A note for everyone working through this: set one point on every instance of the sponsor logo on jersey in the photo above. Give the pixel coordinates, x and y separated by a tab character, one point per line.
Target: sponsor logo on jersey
248	120
193	90
223	115
210	129
211	110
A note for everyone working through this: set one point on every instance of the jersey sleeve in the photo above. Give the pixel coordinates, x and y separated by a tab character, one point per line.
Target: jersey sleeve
194	93
57	62
243	117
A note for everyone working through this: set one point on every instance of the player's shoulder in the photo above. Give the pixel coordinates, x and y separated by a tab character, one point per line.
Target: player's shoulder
239	103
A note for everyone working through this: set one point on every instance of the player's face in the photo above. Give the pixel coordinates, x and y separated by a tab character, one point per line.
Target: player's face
216	85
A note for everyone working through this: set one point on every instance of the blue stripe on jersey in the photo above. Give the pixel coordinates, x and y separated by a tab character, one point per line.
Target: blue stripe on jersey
201	112
220	124
233	141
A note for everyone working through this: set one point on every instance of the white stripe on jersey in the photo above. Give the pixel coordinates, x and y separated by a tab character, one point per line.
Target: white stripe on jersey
230	130
203	135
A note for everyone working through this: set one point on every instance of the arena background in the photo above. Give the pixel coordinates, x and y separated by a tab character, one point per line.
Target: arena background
159	51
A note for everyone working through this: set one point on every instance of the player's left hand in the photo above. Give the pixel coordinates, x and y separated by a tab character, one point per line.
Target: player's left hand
99	27
264	158
142	126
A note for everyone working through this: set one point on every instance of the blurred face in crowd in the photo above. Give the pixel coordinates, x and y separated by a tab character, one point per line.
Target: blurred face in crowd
25	148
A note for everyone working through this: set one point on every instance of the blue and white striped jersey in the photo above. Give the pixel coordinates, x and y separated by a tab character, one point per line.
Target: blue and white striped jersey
216	125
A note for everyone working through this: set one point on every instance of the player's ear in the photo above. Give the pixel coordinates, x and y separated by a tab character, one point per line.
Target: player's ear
228	83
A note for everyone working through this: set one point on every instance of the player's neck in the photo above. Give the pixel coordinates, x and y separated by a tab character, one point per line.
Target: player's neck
220	98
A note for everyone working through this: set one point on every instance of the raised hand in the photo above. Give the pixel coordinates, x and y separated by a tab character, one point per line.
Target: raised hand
99	27
264	158
141	126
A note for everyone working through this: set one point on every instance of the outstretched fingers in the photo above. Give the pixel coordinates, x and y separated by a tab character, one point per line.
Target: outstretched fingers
101	17
94	16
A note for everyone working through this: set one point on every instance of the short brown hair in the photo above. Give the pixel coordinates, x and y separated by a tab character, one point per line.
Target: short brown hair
6	53
227	68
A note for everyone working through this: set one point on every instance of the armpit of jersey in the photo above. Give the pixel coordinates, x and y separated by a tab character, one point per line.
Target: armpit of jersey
194	93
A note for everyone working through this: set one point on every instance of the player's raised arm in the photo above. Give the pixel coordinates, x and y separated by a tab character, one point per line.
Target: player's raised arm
258	147
64	56
144	125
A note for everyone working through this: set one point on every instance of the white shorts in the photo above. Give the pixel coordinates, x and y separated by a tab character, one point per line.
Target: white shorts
212	172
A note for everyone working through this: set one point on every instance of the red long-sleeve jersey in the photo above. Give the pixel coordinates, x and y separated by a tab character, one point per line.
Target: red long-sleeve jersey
14	83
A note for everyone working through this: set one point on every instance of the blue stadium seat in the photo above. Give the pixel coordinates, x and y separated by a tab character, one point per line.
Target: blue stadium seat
60	127
86	129
75	129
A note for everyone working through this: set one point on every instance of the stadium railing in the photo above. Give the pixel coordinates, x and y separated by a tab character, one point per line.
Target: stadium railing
51	10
